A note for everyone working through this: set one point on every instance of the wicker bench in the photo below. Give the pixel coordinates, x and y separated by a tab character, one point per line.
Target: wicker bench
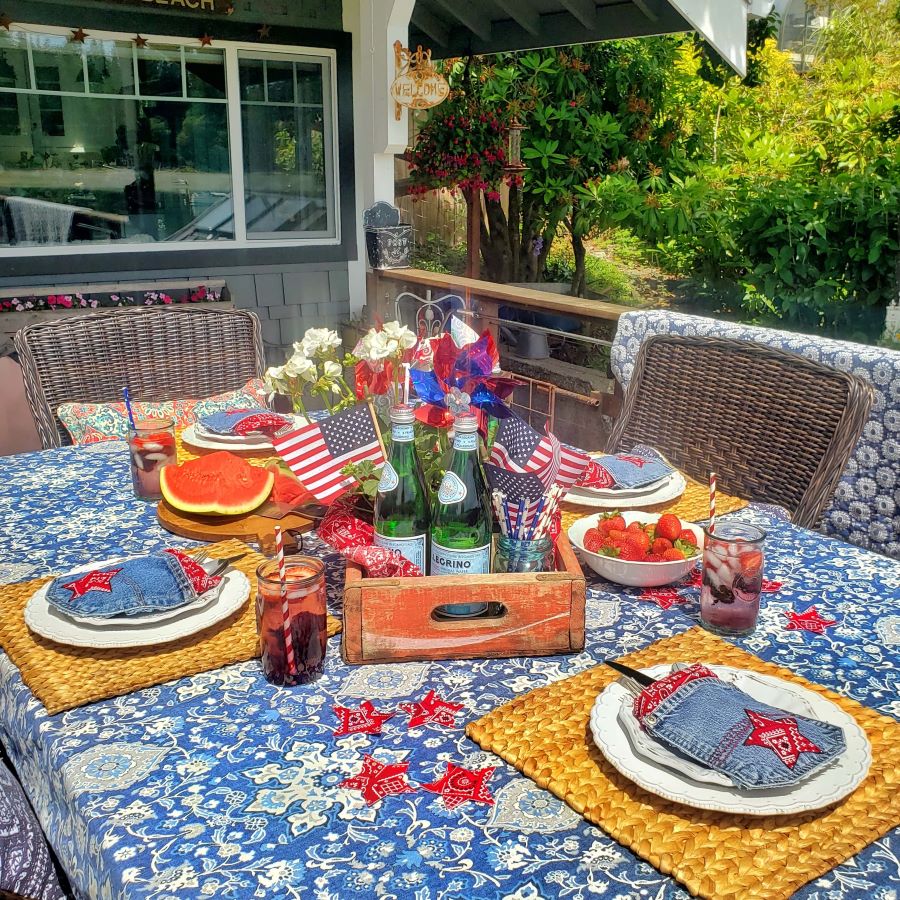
865	509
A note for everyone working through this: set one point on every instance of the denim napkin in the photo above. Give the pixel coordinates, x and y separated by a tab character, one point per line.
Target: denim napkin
154	583
695	714
245	421
642	465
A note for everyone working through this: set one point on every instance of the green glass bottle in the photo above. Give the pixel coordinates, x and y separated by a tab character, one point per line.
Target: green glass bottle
402	514
462	521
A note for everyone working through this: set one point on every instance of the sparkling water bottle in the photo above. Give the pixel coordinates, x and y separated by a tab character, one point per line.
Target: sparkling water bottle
402	514
462	522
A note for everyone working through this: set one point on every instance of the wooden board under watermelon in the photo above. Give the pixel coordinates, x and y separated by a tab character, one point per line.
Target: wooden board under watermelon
246	527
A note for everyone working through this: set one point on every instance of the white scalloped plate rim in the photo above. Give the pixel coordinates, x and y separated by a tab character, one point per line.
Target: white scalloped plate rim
42	619
208	441
816	792
672	488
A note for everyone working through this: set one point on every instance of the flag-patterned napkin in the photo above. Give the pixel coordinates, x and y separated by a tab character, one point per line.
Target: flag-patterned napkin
642	466
317	452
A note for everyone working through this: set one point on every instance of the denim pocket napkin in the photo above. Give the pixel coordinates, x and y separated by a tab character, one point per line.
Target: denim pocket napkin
697	715
643	465
245	421
160	581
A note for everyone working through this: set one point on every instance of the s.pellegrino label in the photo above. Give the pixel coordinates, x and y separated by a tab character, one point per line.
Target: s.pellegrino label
402	513
461	522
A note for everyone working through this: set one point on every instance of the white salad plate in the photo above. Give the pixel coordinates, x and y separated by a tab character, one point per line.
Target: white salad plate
206	440
670	488
657	770
137	631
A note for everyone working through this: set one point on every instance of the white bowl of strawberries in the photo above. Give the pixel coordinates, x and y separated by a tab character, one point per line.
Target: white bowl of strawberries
638	549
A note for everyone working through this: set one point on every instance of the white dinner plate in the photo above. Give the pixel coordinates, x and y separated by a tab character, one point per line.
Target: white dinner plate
207	441
136	631
665	491
820	789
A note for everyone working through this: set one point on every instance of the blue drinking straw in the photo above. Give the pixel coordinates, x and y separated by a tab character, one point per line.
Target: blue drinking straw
536	517
128	408
509	528
519	513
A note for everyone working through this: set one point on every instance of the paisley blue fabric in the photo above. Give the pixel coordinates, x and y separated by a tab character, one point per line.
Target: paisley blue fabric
866	505
221	785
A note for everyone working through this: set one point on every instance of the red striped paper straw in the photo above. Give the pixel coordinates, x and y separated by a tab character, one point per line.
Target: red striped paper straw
285	609
712	502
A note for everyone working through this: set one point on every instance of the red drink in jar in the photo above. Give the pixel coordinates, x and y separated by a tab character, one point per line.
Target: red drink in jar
151	445
306	596
732	578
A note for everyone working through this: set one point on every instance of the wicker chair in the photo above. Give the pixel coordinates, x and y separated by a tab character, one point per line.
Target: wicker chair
774	426
160	353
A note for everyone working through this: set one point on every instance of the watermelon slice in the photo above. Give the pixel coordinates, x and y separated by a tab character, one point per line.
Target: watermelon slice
219	484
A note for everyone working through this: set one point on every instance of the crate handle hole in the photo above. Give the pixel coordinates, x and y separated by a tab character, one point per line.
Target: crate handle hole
493	611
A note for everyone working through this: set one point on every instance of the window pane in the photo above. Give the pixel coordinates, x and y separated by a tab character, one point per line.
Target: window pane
205	70
122	170
159	72
110	67
253	80
288	165
13	77
58	64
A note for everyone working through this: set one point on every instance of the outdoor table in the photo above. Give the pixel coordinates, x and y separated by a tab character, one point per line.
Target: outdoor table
223	785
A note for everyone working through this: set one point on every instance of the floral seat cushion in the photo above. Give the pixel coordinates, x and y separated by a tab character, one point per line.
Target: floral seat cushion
89	423
865	509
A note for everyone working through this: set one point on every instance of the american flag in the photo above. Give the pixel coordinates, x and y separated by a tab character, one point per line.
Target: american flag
515	487
519	448
317	452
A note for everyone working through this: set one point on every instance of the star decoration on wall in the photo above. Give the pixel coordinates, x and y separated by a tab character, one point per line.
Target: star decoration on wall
377	780
93	581
810	621
229	10
205	40
459	785
781	736
139	42
263	31
664	598
78	36
5	21
365	720
431	709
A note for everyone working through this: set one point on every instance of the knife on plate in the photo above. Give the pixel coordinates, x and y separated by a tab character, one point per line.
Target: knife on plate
634	674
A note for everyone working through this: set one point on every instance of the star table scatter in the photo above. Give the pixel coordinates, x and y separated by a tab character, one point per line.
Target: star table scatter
365	720
431	708
459	785
93	581
781	736
377	780
810	621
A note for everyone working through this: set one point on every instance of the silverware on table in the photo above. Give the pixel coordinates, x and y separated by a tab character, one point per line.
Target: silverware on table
222	564
633	674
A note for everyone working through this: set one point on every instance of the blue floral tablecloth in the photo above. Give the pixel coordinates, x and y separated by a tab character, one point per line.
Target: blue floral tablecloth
221	785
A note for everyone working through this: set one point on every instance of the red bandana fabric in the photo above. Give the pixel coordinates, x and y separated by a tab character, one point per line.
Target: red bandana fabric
781	736
266	423
459	785
200	581
652	696
365	720
810	621
431	708
92	581
377	780
664	598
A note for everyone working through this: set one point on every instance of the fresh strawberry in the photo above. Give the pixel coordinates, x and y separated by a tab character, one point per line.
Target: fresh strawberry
635	528
593	540
653	557
668	527
603	526
688	536
673	554
631	553
616	534
615	521
660	545
640	540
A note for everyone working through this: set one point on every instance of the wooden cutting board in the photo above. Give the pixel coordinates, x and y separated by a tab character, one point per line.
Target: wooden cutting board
247	527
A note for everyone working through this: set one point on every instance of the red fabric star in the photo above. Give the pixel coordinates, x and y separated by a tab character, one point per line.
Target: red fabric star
459	785
93	581
365	720
808	621
781	736
664	598
431	709
377	780
638	461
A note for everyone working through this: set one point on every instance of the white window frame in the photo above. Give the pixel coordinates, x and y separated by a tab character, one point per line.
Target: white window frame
327	57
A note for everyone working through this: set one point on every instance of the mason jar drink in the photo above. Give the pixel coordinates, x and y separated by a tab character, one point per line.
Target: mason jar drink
151	445
306	597
732	578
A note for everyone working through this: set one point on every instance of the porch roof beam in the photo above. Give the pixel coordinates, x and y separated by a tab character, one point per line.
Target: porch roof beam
430	24
523	13
644	7
583	10
465	13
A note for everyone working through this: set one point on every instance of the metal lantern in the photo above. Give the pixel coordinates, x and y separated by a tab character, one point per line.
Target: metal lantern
514	149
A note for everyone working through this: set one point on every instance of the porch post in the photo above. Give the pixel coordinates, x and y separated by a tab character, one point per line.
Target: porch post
378	134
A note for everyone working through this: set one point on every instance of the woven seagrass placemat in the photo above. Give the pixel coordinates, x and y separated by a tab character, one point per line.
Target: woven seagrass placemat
189	451
692	505
545	735
63	677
